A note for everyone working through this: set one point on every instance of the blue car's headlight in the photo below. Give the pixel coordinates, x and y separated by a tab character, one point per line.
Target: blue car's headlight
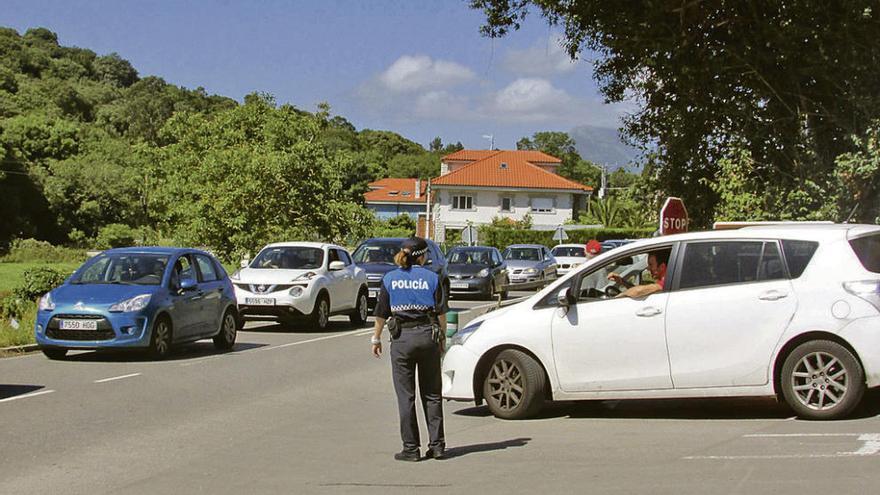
483	273
459	337
46	302
136	303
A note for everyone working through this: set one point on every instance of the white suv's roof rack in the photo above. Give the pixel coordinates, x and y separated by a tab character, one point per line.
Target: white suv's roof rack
768	223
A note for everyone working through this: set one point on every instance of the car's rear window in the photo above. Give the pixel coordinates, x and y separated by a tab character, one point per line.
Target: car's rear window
867	248
798	255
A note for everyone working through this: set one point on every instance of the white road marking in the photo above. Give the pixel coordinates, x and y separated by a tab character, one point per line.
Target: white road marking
112	378
872	444
783	435
309	341
361	334
25	396
870	447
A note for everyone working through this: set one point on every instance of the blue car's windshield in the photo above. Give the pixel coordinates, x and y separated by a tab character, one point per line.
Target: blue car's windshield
470	256
377	252
290	258
122	268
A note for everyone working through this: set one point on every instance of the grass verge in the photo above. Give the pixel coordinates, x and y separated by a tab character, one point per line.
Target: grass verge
11	274
22	335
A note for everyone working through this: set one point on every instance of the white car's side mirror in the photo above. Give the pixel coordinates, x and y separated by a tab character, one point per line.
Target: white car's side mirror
336	266
245	263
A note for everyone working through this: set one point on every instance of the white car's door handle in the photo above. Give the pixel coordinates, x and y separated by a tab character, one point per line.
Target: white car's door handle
772	295
648	311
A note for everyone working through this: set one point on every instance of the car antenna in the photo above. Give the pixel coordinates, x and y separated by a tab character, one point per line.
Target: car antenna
851	213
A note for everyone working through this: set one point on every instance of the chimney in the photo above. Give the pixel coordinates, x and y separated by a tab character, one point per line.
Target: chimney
418	192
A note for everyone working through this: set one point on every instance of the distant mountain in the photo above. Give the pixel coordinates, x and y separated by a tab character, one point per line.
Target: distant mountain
603	145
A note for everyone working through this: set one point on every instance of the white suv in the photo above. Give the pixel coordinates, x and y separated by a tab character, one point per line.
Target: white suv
291	280
786	311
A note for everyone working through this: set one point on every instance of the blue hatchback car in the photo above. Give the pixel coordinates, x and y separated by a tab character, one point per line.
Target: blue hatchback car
148	298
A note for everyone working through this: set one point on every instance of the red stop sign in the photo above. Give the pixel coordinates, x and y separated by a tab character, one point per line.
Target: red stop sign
673	217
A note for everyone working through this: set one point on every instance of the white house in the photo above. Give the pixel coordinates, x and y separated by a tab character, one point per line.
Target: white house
476	186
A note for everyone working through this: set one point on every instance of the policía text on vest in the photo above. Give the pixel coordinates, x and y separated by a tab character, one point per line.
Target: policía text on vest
409	284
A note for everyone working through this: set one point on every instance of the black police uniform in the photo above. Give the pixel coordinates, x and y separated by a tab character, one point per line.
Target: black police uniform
414	297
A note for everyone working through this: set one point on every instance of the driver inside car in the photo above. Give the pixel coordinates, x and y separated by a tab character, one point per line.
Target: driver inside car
657	261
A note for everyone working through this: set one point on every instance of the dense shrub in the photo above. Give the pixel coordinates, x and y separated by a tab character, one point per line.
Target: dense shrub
38	281
32	250
503	237
117	235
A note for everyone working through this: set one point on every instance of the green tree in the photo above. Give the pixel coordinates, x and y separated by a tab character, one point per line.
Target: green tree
789	81
254	174
422	165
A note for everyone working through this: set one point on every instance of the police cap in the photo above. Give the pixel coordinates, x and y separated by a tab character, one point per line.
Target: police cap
415	245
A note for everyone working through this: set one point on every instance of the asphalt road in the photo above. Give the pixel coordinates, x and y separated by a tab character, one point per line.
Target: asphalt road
303	412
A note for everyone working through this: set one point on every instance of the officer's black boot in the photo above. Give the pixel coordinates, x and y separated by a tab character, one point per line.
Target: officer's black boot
408	455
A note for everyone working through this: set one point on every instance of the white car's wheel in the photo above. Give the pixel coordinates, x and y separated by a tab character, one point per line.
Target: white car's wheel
822	379
320	316
359	317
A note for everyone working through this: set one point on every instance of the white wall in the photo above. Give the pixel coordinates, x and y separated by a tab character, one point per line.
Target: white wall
487	205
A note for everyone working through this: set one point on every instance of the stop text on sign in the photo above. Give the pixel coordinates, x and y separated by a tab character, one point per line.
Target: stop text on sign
675	223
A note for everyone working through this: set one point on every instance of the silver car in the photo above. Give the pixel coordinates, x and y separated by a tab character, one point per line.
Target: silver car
529	264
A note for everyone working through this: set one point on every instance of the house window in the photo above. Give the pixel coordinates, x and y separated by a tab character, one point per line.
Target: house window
542	205
506	204
462	202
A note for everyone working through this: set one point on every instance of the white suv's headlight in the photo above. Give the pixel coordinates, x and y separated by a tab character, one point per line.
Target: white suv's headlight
235	275
136	303
296	291
46	302
483	273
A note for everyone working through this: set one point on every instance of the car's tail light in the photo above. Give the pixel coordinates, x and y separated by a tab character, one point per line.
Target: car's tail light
868	290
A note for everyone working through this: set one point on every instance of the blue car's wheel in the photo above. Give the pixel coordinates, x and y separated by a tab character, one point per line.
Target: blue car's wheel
228	331
160	341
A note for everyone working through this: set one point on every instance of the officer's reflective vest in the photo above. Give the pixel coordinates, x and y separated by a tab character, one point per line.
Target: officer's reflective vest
410	290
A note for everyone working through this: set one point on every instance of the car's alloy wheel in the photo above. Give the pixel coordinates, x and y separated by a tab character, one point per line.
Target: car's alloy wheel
822	380
228	332
359	317
514	386
160	343
321	313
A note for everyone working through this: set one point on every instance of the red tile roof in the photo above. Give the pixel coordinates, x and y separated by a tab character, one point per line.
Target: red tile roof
473	155
382	189
520	171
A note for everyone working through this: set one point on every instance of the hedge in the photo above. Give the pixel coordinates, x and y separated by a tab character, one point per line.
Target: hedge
32	250
501	238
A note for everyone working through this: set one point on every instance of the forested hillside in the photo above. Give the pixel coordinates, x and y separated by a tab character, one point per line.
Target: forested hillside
89	144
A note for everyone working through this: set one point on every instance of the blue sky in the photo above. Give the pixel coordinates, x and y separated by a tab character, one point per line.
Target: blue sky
419	68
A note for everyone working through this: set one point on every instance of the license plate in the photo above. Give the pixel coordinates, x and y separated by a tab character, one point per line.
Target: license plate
78	324
374	293
259	301
459	285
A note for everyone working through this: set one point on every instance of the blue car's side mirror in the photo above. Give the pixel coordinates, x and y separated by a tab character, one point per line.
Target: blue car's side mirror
188	285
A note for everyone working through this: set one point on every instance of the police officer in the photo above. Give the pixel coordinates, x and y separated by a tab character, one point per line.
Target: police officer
413	303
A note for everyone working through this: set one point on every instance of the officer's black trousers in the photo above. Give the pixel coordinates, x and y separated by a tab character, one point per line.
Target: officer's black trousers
414	350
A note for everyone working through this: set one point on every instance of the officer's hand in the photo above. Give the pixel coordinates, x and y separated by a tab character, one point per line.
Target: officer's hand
377	349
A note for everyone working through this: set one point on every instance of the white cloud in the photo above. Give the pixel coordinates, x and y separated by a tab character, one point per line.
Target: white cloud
545	58
420	72
530	99
443	105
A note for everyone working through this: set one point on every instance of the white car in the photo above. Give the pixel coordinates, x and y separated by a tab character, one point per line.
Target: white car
568	257
786	311
289	281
